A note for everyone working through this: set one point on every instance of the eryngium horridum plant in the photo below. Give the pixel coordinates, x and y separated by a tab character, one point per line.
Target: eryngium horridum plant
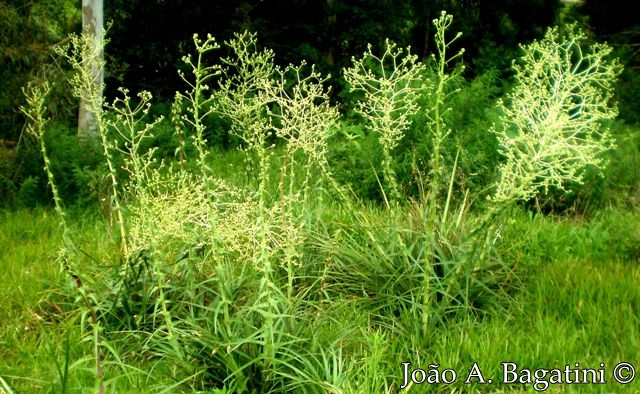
553	126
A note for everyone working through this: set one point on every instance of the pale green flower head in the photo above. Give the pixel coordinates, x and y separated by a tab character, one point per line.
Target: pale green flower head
554	121
391	84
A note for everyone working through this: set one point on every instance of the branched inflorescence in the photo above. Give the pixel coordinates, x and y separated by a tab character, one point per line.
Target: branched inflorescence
553	125
391	84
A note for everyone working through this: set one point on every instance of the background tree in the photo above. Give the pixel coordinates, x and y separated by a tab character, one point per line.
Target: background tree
28	29
93	27
324	32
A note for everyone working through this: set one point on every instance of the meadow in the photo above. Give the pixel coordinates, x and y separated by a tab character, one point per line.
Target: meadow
422	240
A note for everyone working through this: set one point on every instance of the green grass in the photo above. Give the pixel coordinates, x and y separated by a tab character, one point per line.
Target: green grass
29	248
573	310
577	302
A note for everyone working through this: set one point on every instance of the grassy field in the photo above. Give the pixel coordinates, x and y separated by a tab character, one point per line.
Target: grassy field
575	300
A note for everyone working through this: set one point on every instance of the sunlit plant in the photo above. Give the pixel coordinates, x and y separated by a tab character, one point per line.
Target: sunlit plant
131	132
199	106
304	118
554	121
80	51
391	84
36	95
264	104
447	69
245	74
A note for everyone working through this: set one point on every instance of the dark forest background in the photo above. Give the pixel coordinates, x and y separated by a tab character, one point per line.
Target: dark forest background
147	40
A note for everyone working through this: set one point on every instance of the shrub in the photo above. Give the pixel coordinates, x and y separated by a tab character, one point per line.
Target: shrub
7	191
